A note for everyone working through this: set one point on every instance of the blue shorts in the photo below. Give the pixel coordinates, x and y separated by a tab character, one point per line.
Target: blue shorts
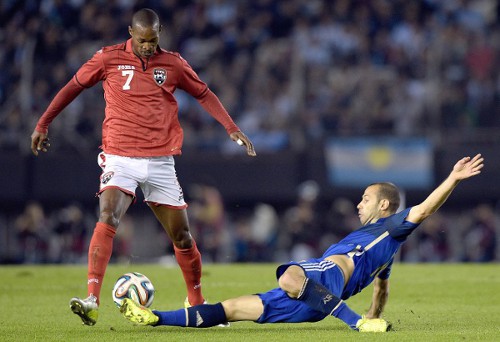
280	308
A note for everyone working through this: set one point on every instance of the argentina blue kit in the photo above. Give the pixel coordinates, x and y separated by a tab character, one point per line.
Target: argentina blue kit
372	248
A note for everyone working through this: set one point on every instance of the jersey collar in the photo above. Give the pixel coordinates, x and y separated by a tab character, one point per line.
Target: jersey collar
128	47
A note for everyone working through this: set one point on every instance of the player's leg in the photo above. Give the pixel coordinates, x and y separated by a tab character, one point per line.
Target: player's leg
307	288
113	203
175	222
165	197
245	308
118	182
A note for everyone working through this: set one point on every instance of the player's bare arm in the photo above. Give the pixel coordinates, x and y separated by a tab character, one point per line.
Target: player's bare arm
379	298
39	142
240	138
465	168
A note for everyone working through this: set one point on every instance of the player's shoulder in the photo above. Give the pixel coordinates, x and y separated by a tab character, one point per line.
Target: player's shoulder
112	48
172	55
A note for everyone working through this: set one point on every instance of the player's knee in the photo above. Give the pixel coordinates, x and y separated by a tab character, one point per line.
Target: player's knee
292	281
182	239
109	217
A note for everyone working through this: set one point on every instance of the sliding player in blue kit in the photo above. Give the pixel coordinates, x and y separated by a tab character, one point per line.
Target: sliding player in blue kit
313	289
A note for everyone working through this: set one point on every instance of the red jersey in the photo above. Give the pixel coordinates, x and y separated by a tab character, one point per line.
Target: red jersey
141	115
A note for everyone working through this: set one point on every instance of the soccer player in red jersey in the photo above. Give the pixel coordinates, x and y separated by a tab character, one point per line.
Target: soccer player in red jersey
140	135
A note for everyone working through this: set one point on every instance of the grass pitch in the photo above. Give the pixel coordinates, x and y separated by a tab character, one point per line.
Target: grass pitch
431	302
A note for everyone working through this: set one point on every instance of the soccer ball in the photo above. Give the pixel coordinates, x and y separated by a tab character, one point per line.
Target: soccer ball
135	286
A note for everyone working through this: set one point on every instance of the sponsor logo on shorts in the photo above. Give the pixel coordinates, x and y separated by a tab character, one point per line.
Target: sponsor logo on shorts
106	177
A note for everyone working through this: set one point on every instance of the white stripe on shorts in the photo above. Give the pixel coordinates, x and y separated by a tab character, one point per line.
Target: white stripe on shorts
319	267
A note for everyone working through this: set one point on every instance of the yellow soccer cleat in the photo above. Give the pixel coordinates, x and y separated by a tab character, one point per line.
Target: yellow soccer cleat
138	314
372	325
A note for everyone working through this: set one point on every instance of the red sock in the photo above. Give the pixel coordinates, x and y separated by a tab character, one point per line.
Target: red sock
189	261
100	249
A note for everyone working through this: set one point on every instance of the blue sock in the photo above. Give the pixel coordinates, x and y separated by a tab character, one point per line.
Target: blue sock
318	297
321	299
174	318
198	316
345	313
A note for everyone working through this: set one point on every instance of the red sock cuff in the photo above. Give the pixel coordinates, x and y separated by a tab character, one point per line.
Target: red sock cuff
186	251
105	229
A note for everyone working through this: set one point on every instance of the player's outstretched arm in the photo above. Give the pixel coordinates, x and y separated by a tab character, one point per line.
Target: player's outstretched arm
465	168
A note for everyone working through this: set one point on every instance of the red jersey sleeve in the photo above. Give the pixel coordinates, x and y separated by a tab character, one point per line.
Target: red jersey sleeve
63	98
192	84
89	74
211	103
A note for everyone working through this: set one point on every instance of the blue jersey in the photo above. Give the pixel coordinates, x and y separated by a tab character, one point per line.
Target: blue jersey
372	248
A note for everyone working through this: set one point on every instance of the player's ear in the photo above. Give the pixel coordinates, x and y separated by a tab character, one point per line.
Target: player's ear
161	28
130	31
384	204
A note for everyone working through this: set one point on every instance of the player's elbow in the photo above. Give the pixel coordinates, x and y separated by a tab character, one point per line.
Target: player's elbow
419	213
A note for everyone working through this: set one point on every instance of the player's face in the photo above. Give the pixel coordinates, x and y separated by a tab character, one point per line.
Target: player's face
369	207
145	40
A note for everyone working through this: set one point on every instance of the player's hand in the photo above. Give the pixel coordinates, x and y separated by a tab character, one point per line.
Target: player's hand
372	325
467	167
241	139
39	142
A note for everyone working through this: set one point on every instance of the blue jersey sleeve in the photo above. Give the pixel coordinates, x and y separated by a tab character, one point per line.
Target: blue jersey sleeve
386	272
400	227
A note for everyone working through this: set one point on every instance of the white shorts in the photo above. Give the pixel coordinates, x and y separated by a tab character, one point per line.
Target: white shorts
156	176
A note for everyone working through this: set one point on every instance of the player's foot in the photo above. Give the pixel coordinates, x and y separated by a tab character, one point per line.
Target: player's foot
188	305
86	308
138	314
373	325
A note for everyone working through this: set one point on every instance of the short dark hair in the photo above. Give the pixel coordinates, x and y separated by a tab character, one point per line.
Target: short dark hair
145	17
390	192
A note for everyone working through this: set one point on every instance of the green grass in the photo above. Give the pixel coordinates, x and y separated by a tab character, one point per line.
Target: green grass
436	302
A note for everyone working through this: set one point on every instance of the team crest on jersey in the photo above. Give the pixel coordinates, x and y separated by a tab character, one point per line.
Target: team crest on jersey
160	76
106	177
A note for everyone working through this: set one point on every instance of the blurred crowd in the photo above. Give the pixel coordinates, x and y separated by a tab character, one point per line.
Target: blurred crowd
262	233
290	72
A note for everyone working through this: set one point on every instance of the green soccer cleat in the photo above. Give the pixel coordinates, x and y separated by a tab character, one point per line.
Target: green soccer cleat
137	314
86	308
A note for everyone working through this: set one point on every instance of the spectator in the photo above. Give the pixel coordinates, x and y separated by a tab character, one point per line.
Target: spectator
301	224
33	228
207	219
481	236
68	239
325	65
